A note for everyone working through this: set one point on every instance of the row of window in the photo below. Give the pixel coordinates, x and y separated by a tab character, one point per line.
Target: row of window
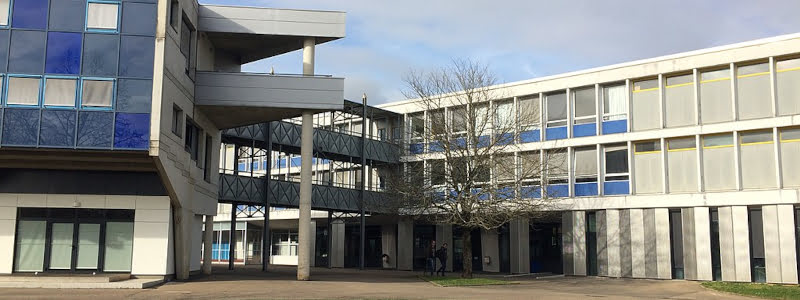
58	91
715	95
758	165
192	136
101	15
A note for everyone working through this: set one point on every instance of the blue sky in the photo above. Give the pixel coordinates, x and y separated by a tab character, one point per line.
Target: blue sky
520	39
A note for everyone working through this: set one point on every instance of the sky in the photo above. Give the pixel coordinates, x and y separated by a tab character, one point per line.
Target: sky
517	39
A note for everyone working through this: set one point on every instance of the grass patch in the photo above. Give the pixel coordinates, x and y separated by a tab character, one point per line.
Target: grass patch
761	290
458	281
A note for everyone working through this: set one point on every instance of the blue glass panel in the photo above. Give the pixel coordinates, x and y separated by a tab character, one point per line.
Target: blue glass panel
586	189
484	141
531	192
480	193
139	18
136	56
435	146
132	131
505	193
100	53
415	148
63	53
505	139
134	95
58	128
29	14
558	190
21	127
589	129
94	129
3	49
27	51
67	15
241	167
529	136
460	142
616	126
555	133
616	187
296	161
282	163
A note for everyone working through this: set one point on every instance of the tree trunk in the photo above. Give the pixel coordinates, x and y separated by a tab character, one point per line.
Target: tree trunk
466	259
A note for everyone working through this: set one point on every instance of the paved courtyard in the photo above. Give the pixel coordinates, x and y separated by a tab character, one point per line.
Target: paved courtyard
279	283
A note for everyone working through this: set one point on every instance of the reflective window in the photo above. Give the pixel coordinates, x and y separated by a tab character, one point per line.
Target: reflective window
787	79
556	109
67	15
504	167
60	91
686	143
790	134
616	159
97	93
58	128
132	131
755	137
187	32
458	119
136	56
102	16
133	95
100	54
26	52
584	105
504	114
720	140
417	126
436	171
94	129
31	14
63	53
23	90
528	112
20	127
177	120
646	85
138	18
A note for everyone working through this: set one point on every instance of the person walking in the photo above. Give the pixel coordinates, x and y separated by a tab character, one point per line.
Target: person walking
430	254
442	255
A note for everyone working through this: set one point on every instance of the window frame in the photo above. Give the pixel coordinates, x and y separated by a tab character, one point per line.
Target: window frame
7	79
177	123
587	119
76	97
522	125
111	106
565	120
192	48
207	159
607	175
8	17
609	116
174	14
103	30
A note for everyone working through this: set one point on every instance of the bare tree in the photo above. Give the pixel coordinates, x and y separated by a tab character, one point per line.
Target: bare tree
471	177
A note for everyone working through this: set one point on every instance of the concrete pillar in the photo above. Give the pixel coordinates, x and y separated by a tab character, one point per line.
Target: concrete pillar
663	246
336	255
313	234
183	241
608	243
626	266
702	244
689	254
650	243
405	245
490	248
444	234
573	227
308	55
389	245
520	246
779	243
637	243
734	241
208	234
306	152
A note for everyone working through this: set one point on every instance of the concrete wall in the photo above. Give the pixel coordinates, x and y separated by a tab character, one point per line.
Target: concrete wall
490	249
405	245
573	239
734	243
519	230
337	249
779	239
152	250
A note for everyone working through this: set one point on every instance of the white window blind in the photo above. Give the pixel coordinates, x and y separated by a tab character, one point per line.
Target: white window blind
23	91
60	92
102	16
97	93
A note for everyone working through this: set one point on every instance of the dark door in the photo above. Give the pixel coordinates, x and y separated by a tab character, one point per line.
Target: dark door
545	248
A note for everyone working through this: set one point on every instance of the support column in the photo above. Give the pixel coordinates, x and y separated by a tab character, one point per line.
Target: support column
637	243
444	234
490	248
330	237
574	242
625	262
520	246
336	256
304	240
611	234
734	241
779	243
663	246
405	245
362	223
313	234
208	235
232	239
389	245
183	241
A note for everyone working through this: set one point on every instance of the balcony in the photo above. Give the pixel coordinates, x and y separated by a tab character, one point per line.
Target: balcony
253	33
239	99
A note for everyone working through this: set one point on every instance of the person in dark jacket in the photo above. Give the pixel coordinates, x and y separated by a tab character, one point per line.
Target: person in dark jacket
442	255
430	254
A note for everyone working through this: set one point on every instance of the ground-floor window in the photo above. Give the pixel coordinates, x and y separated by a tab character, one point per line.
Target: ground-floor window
758	267
73	240
591	243
676	243
716	264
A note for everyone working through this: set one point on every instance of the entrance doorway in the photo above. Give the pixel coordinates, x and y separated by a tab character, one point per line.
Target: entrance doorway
458	250
372	246
545	247
73	240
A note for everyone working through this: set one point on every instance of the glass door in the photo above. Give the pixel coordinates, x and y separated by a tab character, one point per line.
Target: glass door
88	251
61	245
